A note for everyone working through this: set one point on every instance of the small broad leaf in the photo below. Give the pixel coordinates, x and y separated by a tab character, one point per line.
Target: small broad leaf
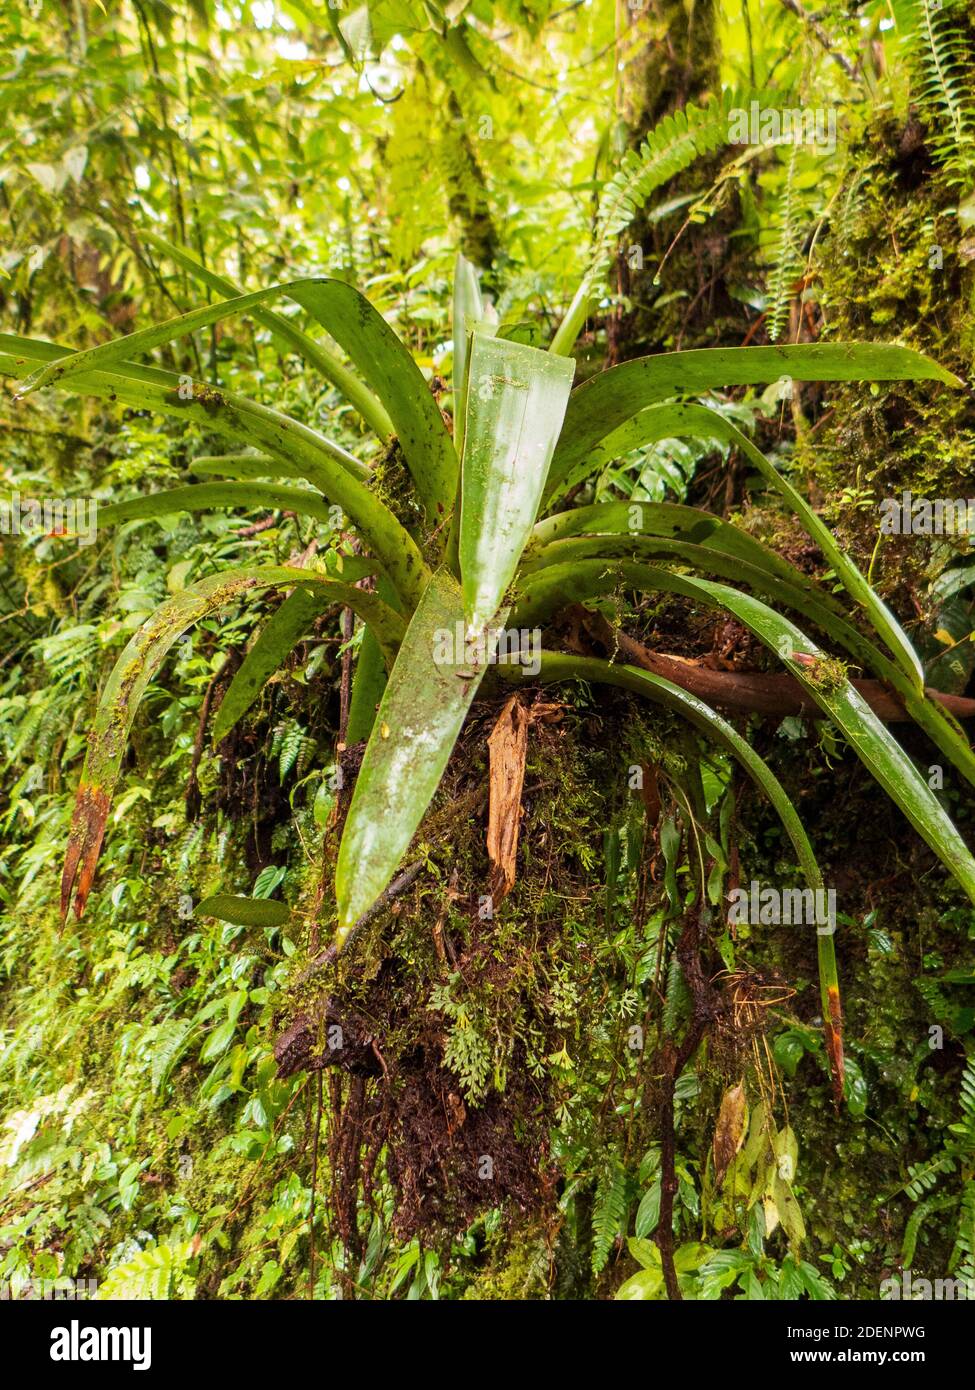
245	912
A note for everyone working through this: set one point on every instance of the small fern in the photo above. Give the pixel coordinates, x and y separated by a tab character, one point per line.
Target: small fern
942	48
670	148
292	747
957	1154
786	263
610	1212
161	1272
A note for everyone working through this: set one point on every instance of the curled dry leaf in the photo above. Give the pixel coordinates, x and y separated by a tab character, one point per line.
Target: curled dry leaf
729	1133
507	745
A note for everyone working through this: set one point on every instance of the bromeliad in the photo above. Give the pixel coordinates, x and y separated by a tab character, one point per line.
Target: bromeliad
493	543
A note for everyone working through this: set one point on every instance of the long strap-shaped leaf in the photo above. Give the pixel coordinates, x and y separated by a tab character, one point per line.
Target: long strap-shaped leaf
200	497
906	676
865	733
516	401
136	667
557	667
242	466
270	651
315	354
873	744
366	337
664	519
468	309
561	557
369	678
687	523
700	420
429	692
608	400
329	468
155	389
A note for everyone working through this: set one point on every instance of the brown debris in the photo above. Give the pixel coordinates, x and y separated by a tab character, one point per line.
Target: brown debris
508	746
87	831
729	1132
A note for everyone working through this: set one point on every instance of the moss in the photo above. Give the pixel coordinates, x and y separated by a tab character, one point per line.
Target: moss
826	673
893	269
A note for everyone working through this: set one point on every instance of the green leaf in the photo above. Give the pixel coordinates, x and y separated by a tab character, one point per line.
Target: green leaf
864	732
884	622
245	912
515	405
430	690
669	521
317	356
330	468
468	310
368	684
648	1212
198	497
219	1040
136	667
273	647
366	337
243	466
610	399
642	1287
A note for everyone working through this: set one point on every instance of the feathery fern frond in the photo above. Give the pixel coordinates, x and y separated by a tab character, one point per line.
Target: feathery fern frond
671	147
786	265
609	1213
943	49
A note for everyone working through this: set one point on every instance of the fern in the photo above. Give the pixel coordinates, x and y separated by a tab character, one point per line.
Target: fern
962	1260
157	1273
671	147
786	264
923	1176
942	47
610	1212
916	1219
678	996
168	1043
957	1153
293	748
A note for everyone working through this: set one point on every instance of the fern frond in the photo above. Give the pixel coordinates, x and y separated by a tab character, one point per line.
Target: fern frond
609	1213
917	1218
943	51
923	1176
670	148
962	1261
786	265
